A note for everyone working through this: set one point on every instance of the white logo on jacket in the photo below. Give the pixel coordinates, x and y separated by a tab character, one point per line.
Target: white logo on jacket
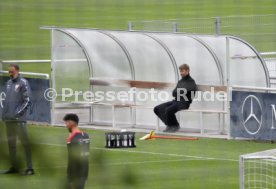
16	88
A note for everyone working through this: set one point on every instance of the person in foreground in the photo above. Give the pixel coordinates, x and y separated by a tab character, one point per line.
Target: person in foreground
183	95
78	153
14	115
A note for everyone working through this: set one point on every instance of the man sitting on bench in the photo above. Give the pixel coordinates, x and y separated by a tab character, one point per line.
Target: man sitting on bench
182	99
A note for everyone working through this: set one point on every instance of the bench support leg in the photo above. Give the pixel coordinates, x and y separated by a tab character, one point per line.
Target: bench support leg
91	114
157	124
132	117
201	123
223	124
220	125
113	117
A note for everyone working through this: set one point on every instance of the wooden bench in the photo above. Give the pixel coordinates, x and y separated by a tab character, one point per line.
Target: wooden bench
201	115
148	85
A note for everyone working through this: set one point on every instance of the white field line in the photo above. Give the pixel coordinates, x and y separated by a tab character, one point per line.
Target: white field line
151	153
132	163
154	161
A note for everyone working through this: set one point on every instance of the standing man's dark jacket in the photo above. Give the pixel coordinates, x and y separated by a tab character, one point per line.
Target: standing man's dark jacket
78	156
17	99
185	85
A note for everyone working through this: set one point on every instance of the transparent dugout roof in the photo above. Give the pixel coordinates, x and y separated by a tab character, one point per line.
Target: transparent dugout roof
151	56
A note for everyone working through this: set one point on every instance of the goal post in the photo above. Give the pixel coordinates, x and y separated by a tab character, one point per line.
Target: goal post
258	170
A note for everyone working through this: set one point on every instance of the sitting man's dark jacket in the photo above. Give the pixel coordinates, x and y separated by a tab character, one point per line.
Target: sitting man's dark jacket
185	90
183	94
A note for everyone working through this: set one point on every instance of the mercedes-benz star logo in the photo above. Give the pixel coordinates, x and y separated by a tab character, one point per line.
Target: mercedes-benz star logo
2	98
252	120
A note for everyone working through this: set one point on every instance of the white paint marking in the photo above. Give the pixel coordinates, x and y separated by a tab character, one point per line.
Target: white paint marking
132	163
150	153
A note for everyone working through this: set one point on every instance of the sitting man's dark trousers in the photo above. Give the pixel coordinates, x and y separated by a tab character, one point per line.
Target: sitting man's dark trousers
166	111
14	115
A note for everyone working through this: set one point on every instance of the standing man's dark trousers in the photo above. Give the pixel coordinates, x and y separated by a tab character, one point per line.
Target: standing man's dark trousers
166	112
18	129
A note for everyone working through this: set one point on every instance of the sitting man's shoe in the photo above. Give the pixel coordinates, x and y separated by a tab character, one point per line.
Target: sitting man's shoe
166	130
11	170
173	129
29	172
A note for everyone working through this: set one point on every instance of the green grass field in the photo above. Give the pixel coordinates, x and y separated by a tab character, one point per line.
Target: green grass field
21	38
158	164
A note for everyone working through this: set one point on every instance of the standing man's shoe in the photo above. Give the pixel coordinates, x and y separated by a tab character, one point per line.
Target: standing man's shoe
11	170
29	172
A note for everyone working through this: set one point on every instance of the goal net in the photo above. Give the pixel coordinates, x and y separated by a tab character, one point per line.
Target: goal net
258	170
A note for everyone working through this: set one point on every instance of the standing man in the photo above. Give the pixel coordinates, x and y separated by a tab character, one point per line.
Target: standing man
14	115
78	153
182	99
